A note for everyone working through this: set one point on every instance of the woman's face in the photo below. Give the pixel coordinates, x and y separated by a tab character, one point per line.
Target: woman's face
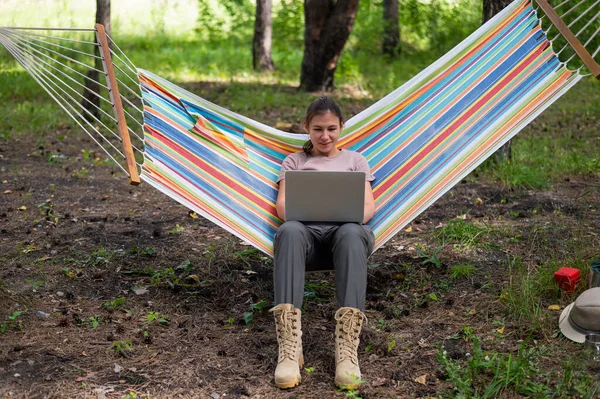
324	131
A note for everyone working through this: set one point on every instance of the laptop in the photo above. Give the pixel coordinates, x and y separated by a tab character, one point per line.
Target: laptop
324	196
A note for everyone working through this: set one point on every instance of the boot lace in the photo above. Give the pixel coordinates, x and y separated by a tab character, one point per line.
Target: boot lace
287	334
349	322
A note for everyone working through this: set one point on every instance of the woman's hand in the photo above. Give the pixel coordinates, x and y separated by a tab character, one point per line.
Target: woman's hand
280	205
369	202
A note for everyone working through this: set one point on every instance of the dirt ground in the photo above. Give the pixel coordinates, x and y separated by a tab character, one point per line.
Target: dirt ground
74	236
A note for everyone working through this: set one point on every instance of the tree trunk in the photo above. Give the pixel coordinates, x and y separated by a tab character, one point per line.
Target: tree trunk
491	8
391	30
327	26
93	101
261	46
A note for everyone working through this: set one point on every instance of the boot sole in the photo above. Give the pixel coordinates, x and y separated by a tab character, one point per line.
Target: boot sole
287	385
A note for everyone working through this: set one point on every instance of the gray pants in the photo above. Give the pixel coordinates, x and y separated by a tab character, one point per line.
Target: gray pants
303	247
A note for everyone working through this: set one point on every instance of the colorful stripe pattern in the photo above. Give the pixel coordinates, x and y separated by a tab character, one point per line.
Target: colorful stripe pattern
419	140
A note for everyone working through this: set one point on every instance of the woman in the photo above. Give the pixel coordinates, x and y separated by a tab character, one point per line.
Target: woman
299	247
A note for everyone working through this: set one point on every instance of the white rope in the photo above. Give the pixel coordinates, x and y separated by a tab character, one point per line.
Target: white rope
133	68
592	37
130	89
596	52
133	118
67	66
135	134
49	81
63	56
131	104
57	37
561	4
65	48
58	29
135	82
588	24
10	47
572	8
583	14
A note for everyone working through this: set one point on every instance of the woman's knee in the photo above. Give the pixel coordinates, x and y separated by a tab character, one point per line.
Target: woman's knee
291	228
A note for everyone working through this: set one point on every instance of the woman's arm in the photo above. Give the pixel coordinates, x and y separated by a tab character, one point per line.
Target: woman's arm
280	205
369	202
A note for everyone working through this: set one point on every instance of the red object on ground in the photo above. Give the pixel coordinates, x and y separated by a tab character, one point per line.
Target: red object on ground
567	278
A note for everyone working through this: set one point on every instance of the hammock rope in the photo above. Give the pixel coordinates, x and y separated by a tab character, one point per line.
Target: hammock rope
420	140
62	66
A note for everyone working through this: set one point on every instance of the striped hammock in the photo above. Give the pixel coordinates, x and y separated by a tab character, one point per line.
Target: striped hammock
420	140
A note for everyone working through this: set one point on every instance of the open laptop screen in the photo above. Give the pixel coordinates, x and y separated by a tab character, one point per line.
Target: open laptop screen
324	196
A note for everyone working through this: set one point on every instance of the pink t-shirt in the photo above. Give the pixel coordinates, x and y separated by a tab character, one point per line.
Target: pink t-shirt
345	161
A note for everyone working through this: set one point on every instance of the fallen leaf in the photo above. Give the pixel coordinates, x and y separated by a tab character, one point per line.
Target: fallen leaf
23	208
4	181
8	192
478	201
408	230
554	307
422	379
194	277
83	353
117	368
193	215
463	216
500	330
472	312
140	290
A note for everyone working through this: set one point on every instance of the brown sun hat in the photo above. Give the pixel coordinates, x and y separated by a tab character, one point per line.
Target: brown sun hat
582	317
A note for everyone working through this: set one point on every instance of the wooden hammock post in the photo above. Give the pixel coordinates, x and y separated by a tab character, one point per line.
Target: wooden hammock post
585	56
113	88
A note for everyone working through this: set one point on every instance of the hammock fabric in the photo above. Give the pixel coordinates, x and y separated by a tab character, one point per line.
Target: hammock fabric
419	140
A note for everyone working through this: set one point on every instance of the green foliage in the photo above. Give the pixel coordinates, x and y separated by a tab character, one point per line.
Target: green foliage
152	317
227	19
123	348
492	375
462	271
115	303
429	255
463	233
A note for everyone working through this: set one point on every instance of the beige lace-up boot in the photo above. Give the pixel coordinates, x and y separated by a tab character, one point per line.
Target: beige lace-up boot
349	322
289	337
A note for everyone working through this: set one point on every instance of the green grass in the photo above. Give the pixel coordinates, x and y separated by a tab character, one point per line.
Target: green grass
462	271
463	234
489	374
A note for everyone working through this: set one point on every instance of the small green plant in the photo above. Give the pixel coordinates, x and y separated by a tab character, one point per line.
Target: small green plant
259	306
152	317
463	233
130	395
177	229
369	347
468	333
462	271
381	324
248	318
391	345
433	297
14	321
148	251
352	392
95	321
115	303
229	322
35	284
209	254
122	348
429	255
309	370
